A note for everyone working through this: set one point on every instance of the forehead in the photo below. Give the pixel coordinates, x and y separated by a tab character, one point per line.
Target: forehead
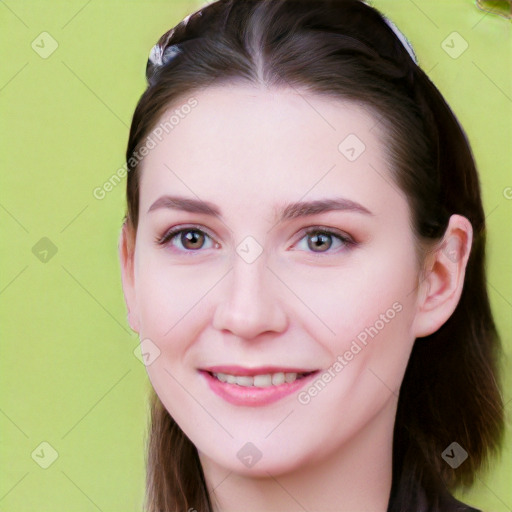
241	142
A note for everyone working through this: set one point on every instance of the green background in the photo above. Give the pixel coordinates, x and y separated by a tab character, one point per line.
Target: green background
69	375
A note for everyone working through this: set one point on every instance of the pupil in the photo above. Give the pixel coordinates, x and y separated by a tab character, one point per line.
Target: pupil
318	240
191	237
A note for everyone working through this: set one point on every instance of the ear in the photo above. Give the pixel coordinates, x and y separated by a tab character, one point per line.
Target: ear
126	258
441	288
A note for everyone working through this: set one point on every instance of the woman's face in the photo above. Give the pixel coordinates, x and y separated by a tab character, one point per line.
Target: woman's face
307	265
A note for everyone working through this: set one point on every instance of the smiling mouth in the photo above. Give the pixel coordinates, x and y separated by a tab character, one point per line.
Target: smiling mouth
264	380
256	386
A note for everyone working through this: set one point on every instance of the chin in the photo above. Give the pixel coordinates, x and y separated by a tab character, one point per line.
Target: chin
261	462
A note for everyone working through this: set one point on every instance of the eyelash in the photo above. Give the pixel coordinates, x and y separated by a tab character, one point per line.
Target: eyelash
346	240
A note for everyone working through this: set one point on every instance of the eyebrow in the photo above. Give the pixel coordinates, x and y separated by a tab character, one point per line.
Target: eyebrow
288	212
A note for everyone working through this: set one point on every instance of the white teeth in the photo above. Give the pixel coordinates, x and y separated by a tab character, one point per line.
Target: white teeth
263	381
290	377
245	381
278	378
259	381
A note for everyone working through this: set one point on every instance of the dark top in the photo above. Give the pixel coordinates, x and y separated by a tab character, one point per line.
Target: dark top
423	502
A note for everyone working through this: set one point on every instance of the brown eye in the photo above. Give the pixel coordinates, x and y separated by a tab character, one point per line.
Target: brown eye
192	239
188	239
322	240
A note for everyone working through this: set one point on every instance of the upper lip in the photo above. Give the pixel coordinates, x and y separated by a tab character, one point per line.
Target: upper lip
260	370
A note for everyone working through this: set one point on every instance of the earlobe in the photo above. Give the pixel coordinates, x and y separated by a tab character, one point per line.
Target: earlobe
126	259
440	291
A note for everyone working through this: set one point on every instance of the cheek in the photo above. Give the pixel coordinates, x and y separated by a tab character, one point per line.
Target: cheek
174	302
366	311
370	289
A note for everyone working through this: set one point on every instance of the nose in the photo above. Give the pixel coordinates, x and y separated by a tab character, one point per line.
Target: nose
250	301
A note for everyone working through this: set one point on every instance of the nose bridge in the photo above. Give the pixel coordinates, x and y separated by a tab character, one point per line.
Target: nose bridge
249	302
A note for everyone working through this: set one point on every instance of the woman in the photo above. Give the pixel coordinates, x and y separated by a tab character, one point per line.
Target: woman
303	259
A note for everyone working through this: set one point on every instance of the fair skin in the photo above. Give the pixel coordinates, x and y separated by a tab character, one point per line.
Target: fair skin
250	151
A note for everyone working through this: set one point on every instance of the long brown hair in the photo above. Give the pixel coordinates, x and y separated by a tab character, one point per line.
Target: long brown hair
345	49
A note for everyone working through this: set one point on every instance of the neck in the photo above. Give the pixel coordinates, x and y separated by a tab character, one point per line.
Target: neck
355	477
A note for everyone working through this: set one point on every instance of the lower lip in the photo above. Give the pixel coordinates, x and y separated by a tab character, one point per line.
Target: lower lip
254	396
